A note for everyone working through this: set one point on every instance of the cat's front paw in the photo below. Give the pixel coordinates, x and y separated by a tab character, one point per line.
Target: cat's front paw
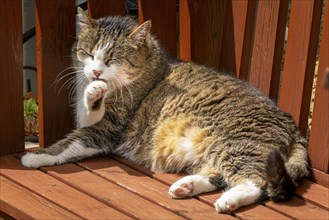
37	160
95	91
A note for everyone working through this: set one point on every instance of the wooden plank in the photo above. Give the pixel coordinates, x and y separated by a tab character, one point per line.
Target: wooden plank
56	191
236	42
98	9
201	30
109	193
299	61
319	137
184	31
320	178
250	212
268	46
314	193
55	34
299	209
162	13
31	206
11	78
151	189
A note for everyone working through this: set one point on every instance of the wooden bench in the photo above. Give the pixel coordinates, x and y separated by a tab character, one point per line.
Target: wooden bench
277	46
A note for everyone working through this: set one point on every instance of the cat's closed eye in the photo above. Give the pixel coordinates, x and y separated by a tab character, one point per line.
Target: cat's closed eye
82	54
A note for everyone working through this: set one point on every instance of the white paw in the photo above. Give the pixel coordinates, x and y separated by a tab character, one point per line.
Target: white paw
225	204
181	190
94	91
38	160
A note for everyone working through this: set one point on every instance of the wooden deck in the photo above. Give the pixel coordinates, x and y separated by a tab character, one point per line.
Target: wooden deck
113	188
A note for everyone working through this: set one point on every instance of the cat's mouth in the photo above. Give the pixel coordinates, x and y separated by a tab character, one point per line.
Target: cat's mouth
99	79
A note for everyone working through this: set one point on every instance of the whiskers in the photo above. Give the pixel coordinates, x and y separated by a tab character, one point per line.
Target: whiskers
71	80
120	82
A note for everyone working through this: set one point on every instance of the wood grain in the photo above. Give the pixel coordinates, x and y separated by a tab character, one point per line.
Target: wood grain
150	189
55	34
298	72
268	46
299	209
98	9
109	193
201	30
57	192
319	137
11	78
31	206
162	13
237	37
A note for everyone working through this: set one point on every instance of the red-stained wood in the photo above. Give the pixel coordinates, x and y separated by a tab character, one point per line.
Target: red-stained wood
268	46
320	178
109	193
55	34
237	37
162	13
57	192
11	78
201	30
98	9
31	206
298	209
314	193
184	31
297	78
151	189
254	211
319	137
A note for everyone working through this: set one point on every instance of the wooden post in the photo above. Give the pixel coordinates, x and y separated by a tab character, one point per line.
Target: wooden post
55	34
319	138
298	72
235	51
11	78
268	46
162	13
201	30
97	9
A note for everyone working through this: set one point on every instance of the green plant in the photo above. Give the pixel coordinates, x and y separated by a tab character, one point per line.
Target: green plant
30	107
31	116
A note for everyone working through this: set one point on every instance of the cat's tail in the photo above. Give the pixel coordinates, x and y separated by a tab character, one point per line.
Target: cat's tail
280	185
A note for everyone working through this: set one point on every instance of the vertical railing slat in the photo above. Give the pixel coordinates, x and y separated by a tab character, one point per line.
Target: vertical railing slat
11	78
97	9
163	16
302	43
268	46
319	137
55	33
201	30
237	37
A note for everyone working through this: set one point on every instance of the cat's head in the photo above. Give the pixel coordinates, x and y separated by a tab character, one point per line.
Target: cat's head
112	49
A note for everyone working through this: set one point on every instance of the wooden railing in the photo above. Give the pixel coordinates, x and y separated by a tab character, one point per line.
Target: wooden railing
245	37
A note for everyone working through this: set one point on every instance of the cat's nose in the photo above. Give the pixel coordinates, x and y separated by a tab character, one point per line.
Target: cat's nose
97	72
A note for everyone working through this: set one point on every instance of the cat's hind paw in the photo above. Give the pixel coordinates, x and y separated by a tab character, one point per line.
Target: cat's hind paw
37	160
226	205
178	191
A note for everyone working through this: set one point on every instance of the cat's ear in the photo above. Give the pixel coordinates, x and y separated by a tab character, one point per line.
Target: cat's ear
139	35
84	20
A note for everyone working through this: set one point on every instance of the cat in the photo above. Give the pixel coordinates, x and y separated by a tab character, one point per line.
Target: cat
135	101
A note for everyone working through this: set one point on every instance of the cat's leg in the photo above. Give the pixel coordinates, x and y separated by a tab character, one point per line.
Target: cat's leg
80	144
90	107
190	186
240	195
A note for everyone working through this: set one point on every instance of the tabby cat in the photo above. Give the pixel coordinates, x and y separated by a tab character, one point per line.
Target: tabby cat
133	100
